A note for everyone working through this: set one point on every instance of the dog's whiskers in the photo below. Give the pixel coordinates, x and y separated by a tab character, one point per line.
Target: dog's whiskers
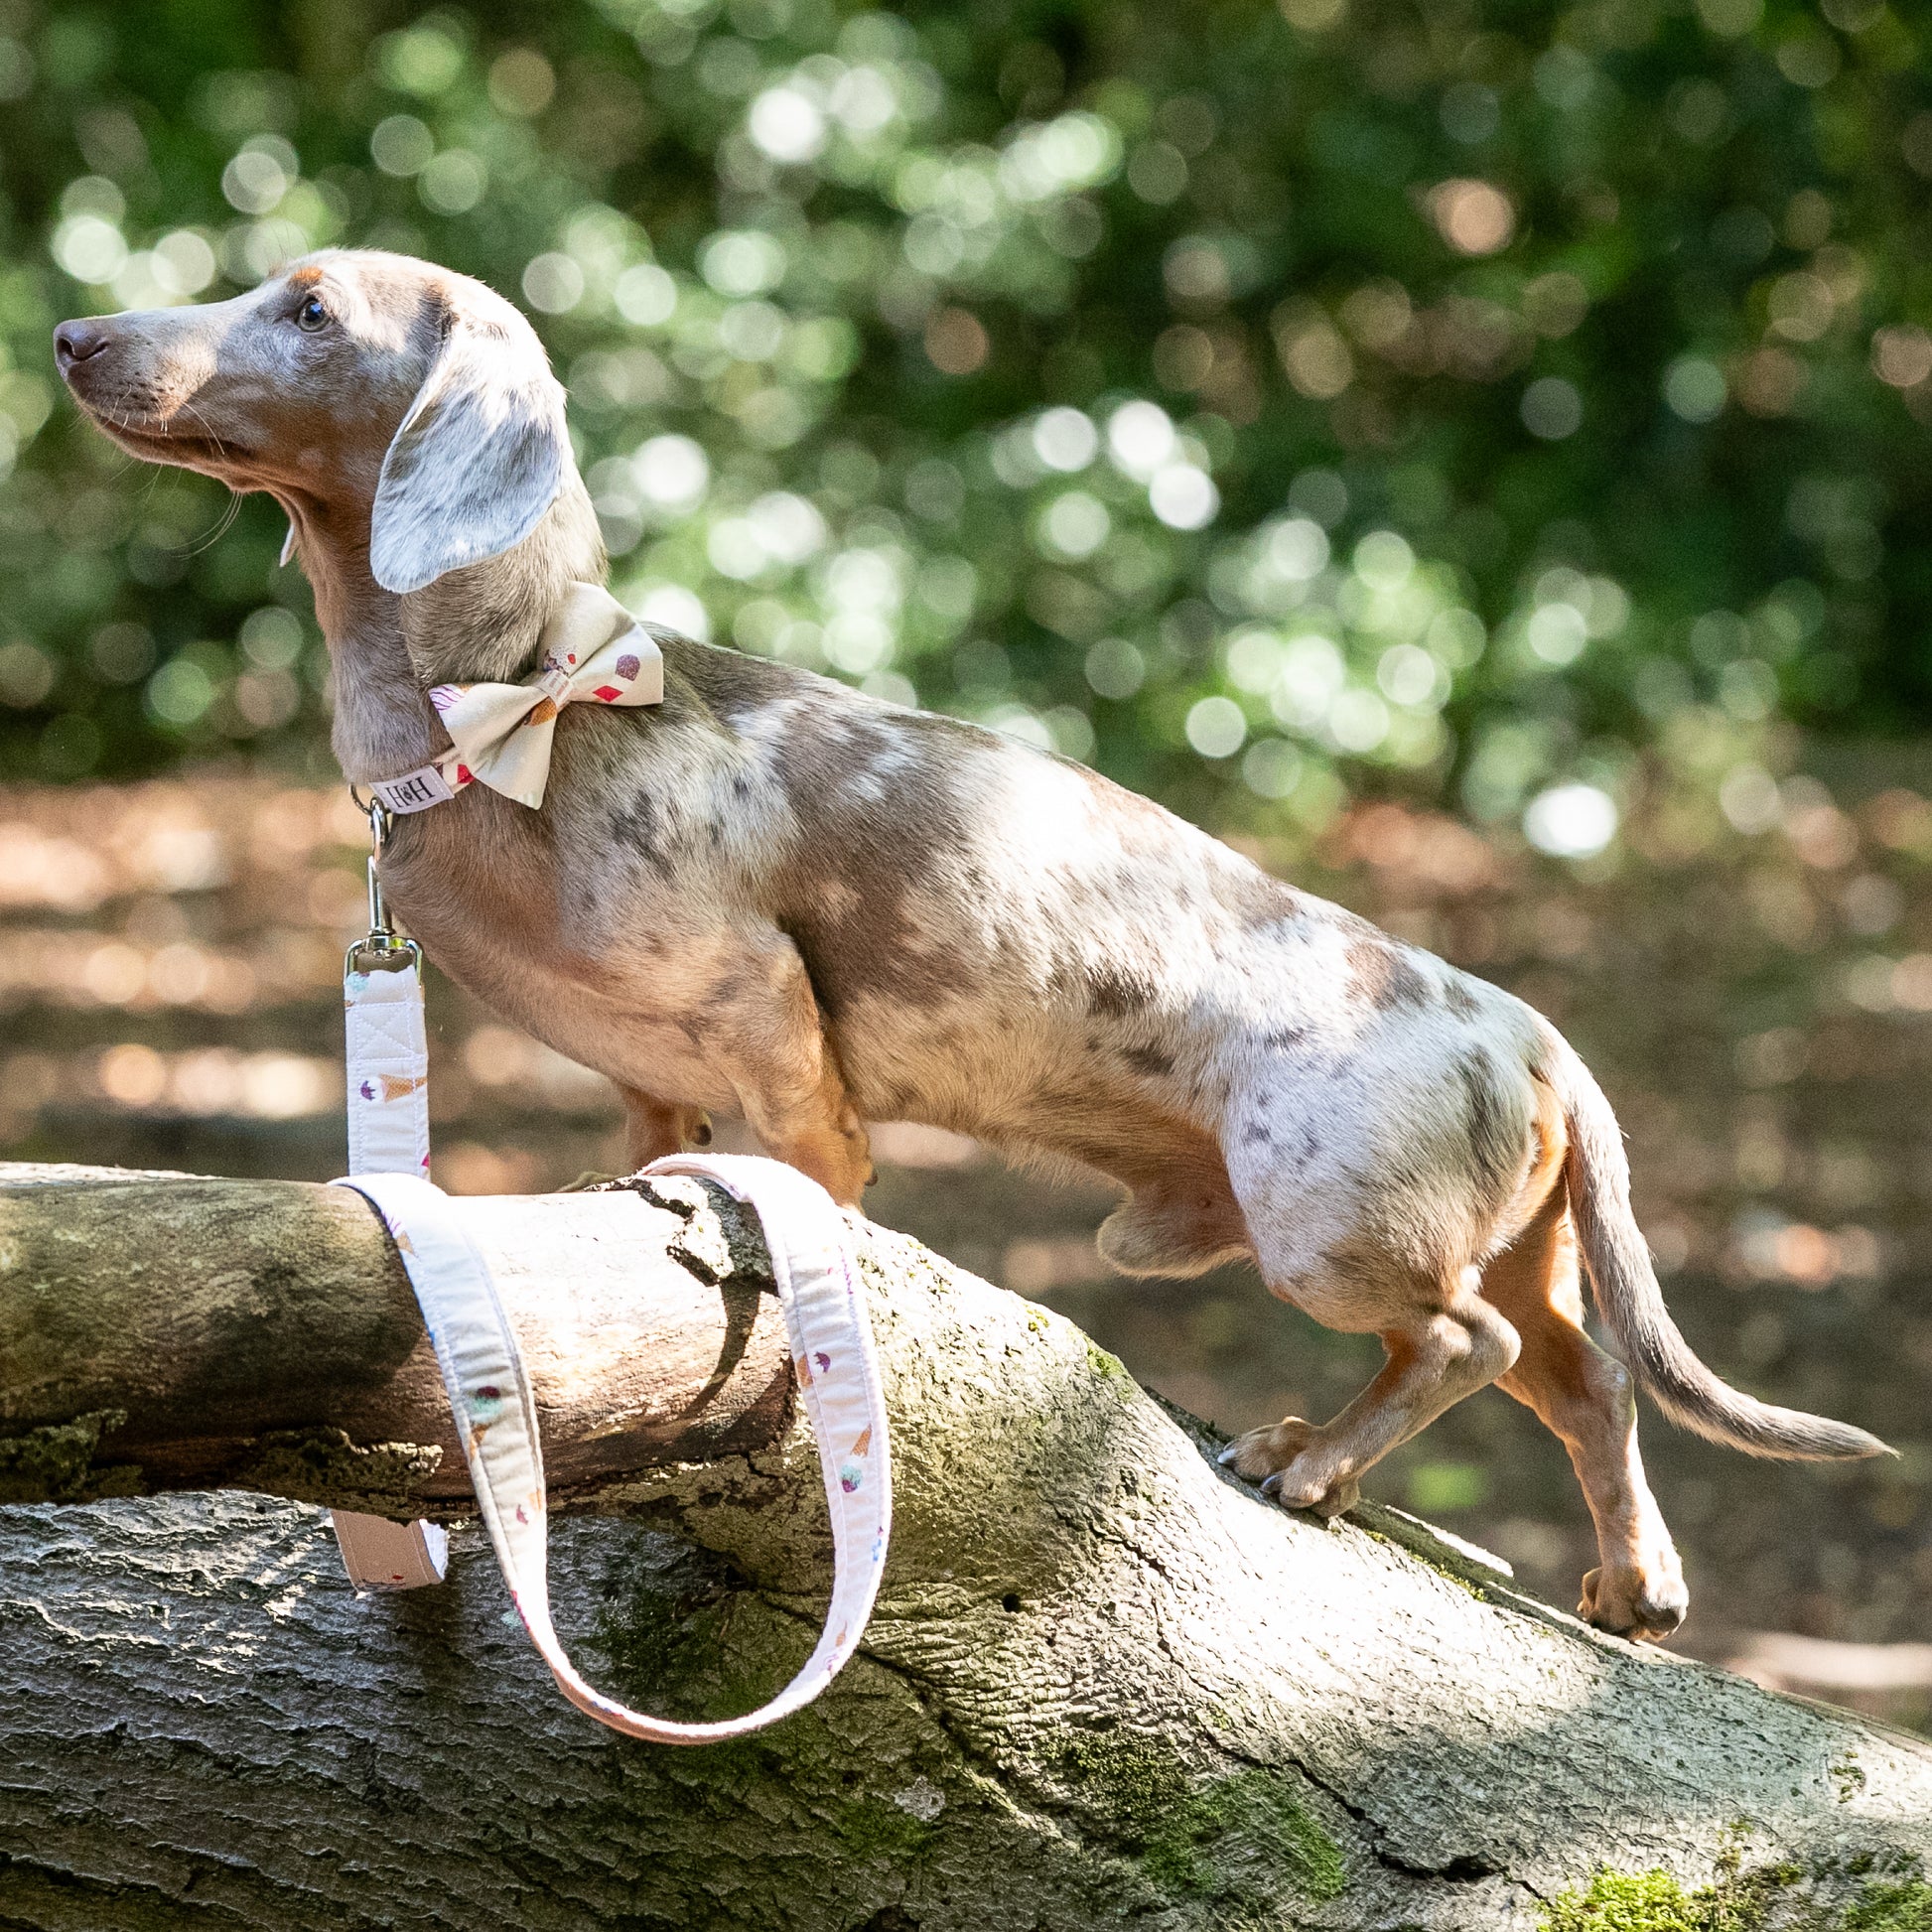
188	409
227	516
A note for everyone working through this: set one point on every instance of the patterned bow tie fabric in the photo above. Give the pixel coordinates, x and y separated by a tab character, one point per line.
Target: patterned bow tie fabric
594	652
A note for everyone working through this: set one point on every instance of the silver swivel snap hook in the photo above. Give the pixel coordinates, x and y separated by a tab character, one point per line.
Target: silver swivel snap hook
382	950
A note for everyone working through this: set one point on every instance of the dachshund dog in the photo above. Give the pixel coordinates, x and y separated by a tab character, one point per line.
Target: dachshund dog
774	897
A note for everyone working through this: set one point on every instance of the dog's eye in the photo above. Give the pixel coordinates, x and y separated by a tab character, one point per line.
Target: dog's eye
311	315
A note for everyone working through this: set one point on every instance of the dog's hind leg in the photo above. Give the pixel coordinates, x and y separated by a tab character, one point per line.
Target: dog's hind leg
1368	1208
1451	1344
1586	1399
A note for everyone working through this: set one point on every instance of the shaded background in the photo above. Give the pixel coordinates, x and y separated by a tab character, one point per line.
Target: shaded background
1471	456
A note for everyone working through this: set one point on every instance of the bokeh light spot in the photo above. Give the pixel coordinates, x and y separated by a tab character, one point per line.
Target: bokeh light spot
1571	821
1217	727
1552	408
1472	216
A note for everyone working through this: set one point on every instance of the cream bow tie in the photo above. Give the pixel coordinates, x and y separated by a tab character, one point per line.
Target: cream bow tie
593	651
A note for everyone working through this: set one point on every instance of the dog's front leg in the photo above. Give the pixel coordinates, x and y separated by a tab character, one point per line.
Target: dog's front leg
766	1033
653	1128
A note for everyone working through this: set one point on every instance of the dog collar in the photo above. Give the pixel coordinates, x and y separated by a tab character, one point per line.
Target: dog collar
593	652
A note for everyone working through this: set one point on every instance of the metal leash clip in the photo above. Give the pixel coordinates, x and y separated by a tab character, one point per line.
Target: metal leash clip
384	950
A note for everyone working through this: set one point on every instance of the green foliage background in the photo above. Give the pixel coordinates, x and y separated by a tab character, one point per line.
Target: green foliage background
1515	394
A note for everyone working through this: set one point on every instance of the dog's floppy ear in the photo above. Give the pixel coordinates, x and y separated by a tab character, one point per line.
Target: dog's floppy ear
479	458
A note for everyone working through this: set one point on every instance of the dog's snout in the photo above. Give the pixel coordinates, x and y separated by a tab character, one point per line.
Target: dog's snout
78	341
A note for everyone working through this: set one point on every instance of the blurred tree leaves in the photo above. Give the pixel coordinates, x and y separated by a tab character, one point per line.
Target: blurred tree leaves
1267	403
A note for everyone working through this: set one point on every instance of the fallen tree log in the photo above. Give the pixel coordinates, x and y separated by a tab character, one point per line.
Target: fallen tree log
1105	1684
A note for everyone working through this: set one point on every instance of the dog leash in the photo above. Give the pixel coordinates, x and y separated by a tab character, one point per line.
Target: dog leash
815	1271
387	1063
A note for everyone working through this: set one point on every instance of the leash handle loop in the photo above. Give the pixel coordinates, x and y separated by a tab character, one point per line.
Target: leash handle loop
816	1274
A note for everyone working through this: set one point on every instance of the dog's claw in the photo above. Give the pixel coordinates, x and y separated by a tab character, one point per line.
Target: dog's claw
1272	1486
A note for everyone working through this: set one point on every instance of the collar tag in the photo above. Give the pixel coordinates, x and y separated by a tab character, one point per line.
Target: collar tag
414	791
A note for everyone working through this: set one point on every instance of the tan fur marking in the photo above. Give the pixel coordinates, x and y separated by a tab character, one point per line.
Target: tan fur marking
1586	1399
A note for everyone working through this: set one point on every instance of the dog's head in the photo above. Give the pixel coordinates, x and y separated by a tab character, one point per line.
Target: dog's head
355	384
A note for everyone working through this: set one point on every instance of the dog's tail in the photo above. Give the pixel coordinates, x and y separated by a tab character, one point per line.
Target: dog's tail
1624	1285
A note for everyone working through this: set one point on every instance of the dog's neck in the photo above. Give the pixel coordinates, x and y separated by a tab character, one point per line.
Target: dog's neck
477	622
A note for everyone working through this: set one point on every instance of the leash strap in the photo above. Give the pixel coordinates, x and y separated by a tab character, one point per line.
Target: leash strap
388	1133
816	1277
388	1065
387	1061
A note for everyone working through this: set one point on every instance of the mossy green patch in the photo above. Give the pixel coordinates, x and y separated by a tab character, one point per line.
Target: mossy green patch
871	1827
1905	1908
1104	1364
1654	1901
307	1463
1648	1902
1462	1583
1246	1839
684	1635
1256	1816
1134	1784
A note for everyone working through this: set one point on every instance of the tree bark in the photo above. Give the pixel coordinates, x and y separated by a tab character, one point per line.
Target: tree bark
1105	1684
165	1332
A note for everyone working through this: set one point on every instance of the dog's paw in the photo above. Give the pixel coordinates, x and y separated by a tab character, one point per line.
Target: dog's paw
1275	1458
1314	1492
1267	1451
1643	1605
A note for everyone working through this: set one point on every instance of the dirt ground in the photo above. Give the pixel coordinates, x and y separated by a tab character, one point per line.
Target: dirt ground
1758	1005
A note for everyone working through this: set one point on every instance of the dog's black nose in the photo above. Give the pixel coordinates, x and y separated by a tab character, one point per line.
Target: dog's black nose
78	341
